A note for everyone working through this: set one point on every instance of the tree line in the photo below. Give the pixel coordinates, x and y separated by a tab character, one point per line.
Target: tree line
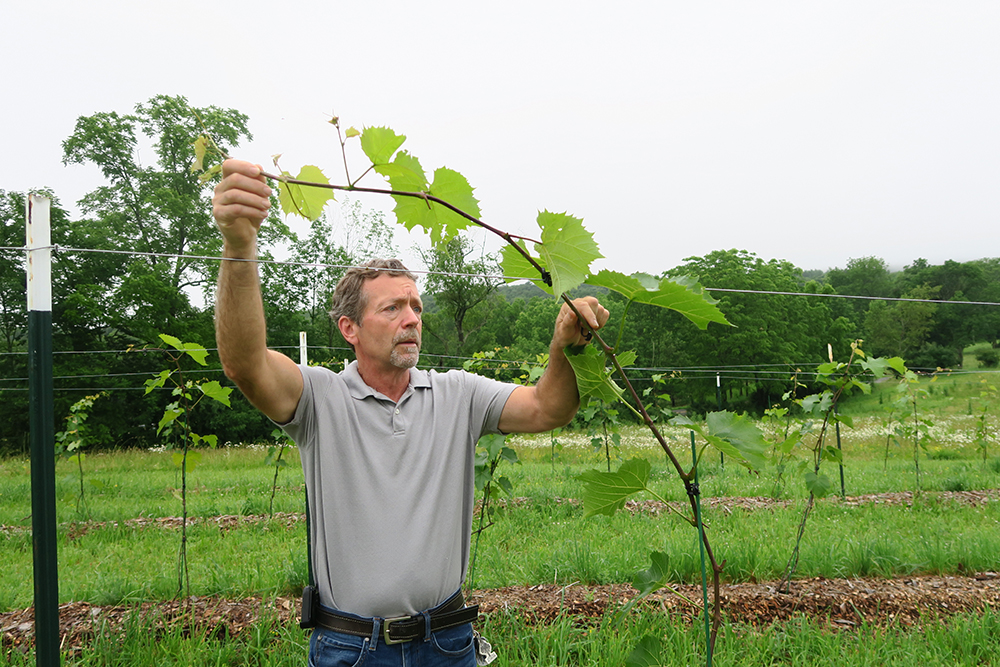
139	261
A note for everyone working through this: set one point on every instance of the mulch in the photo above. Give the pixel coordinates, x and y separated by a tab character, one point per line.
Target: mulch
838	603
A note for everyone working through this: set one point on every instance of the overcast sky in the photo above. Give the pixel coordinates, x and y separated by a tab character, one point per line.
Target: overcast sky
812	132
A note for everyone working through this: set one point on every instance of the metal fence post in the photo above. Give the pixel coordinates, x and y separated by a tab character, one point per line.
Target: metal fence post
42	427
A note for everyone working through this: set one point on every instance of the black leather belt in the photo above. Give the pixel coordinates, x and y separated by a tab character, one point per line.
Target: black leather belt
401	628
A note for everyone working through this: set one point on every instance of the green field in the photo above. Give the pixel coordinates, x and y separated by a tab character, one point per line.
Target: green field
116	548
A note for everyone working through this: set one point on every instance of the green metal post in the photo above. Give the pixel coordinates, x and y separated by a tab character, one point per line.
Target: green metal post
843	491
42	426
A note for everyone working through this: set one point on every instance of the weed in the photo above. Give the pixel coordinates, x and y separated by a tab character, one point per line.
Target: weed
955	484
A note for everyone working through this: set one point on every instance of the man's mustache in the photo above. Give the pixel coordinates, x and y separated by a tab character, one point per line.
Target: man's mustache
406	338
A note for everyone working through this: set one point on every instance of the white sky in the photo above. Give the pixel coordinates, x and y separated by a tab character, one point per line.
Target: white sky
812	132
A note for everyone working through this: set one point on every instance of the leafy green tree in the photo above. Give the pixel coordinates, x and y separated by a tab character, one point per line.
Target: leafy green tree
864	276
161	211
532	329
461	286
80	286
959	325
13	311
773	332
900	328
956	325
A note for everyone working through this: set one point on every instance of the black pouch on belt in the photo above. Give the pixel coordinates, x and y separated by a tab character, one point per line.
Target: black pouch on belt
310	603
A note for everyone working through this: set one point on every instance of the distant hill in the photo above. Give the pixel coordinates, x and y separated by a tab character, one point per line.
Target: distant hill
529	290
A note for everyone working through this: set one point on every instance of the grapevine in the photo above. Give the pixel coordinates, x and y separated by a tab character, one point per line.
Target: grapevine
561	256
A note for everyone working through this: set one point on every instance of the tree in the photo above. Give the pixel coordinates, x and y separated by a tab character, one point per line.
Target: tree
460	288
864	276
13	324
13	311
955	326
80	284
773	332
161	212
900	328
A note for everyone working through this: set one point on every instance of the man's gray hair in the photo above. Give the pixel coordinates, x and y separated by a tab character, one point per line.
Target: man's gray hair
349	297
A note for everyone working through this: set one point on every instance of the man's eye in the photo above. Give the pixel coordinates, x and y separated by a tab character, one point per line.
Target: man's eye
418	310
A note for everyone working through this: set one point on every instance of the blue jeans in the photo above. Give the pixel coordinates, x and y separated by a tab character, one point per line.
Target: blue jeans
450	647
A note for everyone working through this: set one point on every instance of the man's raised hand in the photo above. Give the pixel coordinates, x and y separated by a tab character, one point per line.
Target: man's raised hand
241	203
569	330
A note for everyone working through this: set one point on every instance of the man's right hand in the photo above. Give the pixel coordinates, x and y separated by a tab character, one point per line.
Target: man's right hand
241	203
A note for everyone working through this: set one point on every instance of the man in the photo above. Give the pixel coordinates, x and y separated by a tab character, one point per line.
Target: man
387	450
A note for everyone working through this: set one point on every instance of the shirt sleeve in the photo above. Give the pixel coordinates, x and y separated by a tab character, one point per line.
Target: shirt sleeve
304	419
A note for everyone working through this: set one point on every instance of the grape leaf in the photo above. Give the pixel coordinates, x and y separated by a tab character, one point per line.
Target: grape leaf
193	350
818	484
406	175
453	188
568	249
593	379
815	404
379	143
169	416
200	149
627	358
208	175
742	434
516	267
879	365
647	653
649	581
189	461
606	492
303	200
685	296
656	577
217	392
157	381
733	435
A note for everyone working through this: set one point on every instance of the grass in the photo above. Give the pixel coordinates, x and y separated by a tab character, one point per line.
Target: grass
538	540
146	484
107	557
267	642
555	544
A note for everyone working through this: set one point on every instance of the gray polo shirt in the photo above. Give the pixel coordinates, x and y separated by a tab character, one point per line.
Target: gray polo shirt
391	484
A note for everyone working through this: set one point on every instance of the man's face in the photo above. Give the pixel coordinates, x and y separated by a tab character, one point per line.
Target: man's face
391	326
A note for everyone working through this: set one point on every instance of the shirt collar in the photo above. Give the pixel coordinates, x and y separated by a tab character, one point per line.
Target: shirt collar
356	385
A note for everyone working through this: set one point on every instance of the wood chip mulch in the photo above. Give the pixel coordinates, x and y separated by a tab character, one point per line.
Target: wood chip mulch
839	603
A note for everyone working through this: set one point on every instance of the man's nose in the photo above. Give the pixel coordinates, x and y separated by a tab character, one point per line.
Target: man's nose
412	317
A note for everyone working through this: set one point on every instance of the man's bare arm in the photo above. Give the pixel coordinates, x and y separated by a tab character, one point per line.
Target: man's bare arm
554	399
270	380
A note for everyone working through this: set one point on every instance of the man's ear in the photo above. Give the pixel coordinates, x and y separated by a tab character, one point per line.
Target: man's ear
348	329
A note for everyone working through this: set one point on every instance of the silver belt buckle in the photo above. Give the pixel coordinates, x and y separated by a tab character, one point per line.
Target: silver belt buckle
385	630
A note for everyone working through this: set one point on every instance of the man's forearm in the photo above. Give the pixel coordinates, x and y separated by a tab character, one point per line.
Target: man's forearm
557	390
240	328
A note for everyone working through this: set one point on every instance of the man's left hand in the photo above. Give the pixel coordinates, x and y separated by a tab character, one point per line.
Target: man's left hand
569	330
